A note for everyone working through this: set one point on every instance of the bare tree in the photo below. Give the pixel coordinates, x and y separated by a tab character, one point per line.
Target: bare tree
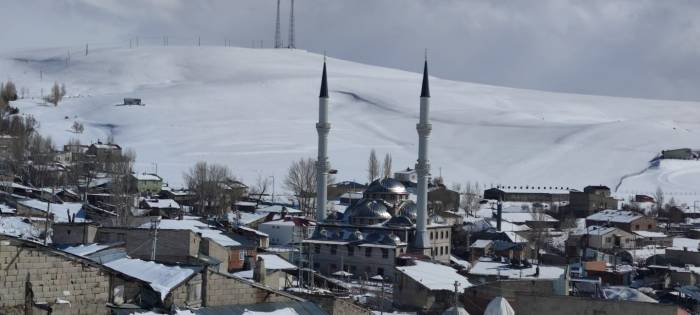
471	196
659	198
301	180
386	168
211	184
372	167
57	94
8	92
77	127
261	187
122	186
41	152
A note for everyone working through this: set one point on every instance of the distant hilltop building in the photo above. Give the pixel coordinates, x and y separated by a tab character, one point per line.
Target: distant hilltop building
680	154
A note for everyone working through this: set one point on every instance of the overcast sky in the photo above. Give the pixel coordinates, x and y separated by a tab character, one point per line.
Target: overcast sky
625	48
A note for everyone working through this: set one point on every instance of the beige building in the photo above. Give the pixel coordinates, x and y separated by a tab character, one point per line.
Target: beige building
599	237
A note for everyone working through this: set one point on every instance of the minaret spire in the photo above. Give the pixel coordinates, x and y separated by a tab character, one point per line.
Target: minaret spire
324	81
322	164
421	242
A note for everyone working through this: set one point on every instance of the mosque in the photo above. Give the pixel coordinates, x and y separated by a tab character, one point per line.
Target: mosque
384	227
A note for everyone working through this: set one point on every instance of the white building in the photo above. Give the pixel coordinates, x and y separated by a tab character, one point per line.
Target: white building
289	230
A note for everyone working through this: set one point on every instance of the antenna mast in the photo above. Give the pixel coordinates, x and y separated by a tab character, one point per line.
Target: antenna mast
291	26
278	36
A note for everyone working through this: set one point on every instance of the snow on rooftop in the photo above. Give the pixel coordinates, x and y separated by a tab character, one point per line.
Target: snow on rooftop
650	234
161	278
434	276
161	203
460	262
15	226
523	217
244	218
618	216
595	230
487	267
59	210
5	209
283	311
84	250
686	243
274	262
277	209
148	177
481	243
191	223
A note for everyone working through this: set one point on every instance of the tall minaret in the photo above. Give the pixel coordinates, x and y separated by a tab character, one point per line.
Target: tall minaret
422	243
322	165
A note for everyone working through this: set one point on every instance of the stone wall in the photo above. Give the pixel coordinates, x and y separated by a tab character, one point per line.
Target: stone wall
220	289
536	305
54	277
334	305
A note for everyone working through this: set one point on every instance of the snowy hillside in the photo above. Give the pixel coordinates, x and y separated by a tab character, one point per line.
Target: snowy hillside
255	110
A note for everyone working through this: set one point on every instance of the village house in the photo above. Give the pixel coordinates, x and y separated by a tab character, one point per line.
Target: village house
166	208
69	233
288	230
602	238
592	199
626	220
527	193
680	214
147	183
426	287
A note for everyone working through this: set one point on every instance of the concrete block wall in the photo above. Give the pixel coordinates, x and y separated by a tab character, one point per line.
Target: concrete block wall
53	277
225	290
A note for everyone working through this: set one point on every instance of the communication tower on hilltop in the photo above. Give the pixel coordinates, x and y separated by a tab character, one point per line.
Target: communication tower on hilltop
291	26
278	36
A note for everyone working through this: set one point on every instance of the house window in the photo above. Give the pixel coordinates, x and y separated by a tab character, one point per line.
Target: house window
636	226
368	252
351	251
317	249
442	234
334	249
241	254
385	253
431	235
441	251
649	227
608	239
380	271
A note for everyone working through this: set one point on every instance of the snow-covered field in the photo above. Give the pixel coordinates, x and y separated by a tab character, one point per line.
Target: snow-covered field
255	110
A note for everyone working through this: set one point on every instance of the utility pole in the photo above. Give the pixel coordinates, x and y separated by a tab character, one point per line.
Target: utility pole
199	41
154	225
48	216
273	188
86	49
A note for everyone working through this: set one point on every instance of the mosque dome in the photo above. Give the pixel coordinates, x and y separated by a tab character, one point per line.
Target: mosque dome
499	306
386	186
455	311
370	209
408	209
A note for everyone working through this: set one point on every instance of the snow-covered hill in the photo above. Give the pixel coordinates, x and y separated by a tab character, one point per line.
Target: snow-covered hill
255	110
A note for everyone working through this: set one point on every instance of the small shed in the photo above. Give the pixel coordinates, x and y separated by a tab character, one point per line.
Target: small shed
132	101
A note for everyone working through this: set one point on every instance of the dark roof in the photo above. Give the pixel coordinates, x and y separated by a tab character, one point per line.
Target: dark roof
425	90
324	83
301	308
